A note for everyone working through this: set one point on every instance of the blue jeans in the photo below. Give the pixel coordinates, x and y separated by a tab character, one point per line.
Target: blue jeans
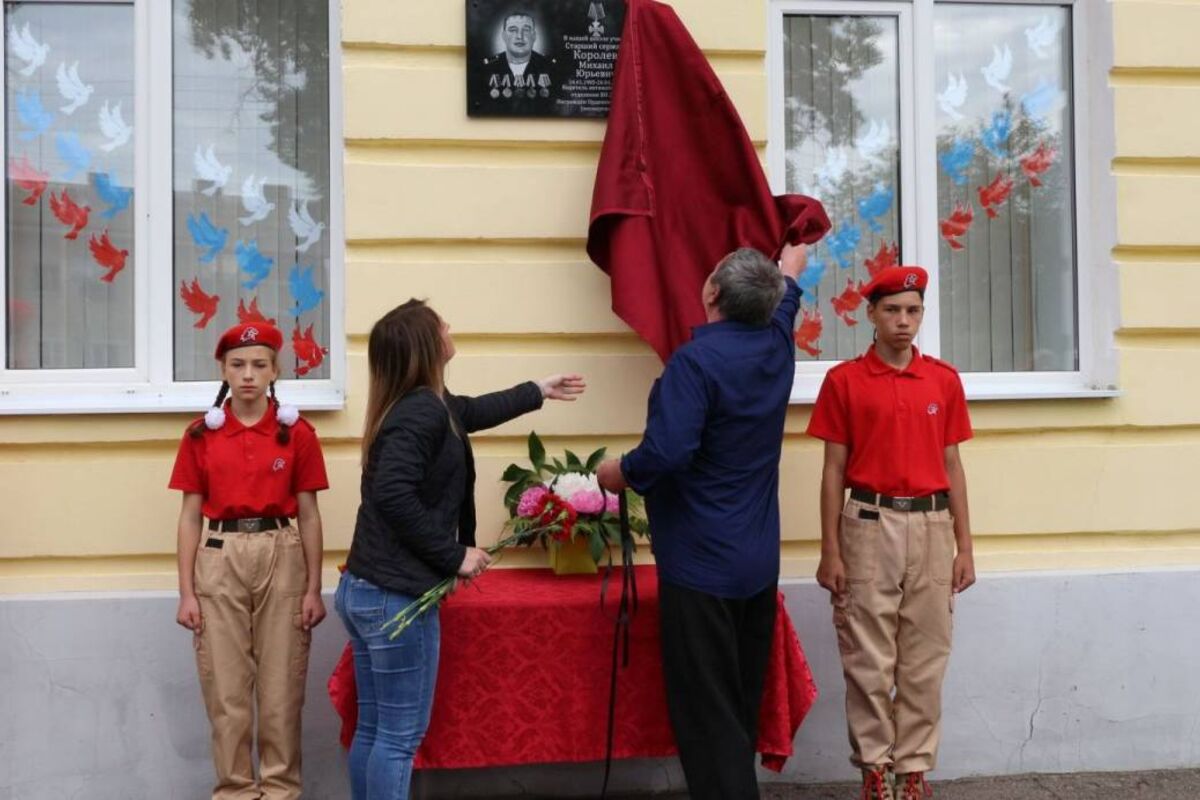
395	680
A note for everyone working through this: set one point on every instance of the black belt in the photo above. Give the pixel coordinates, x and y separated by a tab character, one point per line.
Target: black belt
248	524
930	502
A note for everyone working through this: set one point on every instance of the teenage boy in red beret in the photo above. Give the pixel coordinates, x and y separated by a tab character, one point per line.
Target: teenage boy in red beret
892	420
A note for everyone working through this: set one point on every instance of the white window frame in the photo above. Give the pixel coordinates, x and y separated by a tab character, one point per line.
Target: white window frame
150	386
1095	192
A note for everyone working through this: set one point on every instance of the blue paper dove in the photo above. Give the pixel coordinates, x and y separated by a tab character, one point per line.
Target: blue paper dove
77	157
875	205
32	115
957	159
304	292
814	271
842	243
115	197
1038	102
253	263
995	136
207	236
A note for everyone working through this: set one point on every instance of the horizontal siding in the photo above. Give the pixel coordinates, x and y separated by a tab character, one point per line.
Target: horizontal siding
1112	482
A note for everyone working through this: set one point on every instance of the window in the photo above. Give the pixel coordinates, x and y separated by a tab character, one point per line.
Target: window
171	169
944	134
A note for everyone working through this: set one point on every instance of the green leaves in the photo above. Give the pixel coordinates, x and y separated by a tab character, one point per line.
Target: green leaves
537	452
595	459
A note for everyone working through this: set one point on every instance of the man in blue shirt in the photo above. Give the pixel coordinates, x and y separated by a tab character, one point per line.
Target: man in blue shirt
708	466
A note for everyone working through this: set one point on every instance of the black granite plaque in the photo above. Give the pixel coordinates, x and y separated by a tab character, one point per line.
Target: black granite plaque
543	58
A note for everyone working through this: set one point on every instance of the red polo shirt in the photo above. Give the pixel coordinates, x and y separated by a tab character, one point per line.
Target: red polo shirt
896	423
245	472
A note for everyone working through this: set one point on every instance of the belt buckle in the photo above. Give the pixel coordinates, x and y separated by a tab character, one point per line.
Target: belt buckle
252	525
902	503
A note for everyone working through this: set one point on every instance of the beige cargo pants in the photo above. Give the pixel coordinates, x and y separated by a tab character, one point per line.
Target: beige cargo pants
252	654
893	626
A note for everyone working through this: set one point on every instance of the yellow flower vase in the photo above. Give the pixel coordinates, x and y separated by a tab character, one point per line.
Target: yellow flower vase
572	558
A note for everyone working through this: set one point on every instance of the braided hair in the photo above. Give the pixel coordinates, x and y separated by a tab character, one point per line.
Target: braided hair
283	435
198	427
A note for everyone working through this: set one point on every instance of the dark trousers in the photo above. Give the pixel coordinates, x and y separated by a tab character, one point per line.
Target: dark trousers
714	654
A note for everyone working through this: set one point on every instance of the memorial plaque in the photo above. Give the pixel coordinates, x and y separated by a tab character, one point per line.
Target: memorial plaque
544	58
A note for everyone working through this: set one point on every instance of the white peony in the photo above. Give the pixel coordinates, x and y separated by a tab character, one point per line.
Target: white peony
566	485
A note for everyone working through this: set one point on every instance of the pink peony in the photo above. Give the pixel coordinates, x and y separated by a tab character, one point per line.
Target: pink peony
530	504
588	501
612	503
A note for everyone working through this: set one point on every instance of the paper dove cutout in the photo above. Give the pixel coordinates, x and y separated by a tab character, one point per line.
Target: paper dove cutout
77	157
207	236
1042	37
952	99
114	127
115	197
73	90
873	140
957	160
253	263
27	49
304	292
875	205
304	227
842	244
830	173
997	72
208	168
1039	102
254	201
32	114
995	135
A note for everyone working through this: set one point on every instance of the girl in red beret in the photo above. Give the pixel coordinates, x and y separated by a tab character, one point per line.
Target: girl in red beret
250	580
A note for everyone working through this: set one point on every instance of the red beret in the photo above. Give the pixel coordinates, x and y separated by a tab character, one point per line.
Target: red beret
894	280
249	334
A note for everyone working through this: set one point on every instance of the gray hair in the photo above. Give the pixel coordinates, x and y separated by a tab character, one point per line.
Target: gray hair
750	286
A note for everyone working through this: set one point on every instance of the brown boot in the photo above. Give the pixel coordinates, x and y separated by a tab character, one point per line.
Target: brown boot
913	786
877	785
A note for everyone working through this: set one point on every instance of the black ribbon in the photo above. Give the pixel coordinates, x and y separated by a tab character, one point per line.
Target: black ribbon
626	608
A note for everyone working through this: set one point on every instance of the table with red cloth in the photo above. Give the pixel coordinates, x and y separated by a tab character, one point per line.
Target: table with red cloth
526	660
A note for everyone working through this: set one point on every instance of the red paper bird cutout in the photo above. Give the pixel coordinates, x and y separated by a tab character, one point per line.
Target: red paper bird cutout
995	194
1037	162
809	332
885	257
846	302
957	224
251	314
107	255
198	302
28	178
69	213
307	350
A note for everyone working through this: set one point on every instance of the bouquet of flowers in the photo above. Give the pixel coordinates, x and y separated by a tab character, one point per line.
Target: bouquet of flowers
562	500
555	502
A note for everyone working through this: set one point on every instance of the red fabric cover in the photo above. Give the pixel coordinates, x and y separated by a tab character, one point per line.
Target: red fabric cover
679	184
524	675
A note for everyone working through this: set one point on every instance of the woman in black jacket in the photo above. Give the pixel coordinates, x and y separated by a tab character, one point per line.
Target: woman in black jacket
415	527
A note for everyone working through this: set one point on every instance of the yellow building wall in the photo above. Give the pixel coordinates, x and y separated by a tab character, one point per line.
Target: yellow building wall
487	219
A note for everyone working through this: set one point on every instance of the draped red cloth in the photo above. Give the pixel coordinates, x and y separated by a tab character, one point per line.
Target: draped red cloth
524	673
679	184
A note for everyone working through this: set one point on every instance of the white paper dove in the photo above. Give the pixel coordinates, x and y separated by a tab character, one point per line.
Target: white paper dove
208	168
73	90
304	227
255	202
114	127
27	49
955	95
997	72
830	173
1042	37
872	141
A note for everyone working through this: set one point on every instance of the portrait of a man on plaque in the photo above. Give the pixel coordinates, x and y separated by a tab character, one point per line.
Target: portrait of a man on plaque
542	58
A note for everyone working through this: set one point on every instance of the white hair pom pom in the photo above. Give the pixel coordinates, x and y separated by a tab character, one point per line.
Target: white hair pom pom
214	418
287	415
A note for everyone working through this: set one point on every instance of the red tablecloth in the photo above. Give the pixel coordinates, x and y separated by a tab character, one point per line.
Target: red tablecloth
524	677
